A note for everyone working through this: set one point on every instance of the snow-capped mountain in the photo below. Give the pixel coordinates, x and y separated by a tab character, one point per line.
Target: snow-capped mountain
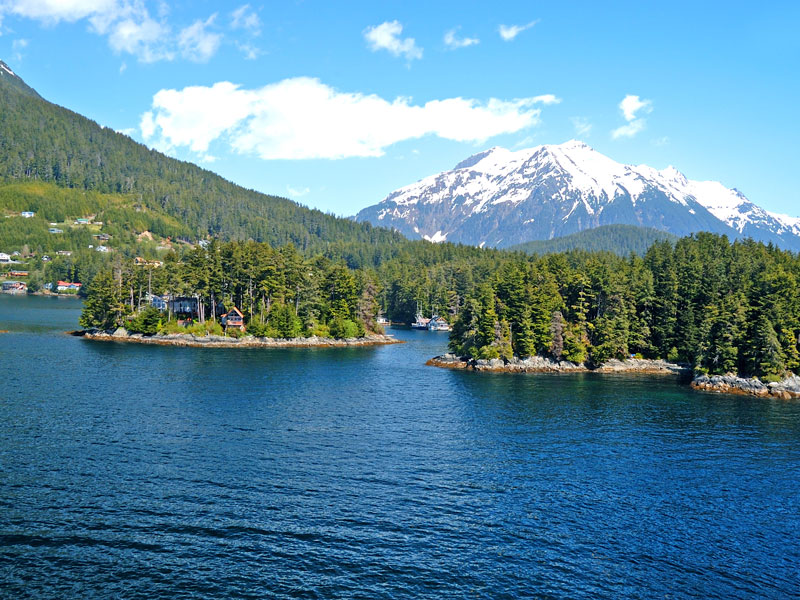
501	198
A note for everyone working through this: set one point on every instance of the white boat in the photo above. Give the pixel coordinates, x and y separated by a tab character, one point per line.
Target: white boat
437	323
420	323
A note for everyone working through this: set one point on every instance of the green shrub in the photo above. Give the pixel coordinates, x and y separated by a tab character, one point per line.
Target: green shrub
213	328
320	330
344	328
147	322
171	327
257	329
488	352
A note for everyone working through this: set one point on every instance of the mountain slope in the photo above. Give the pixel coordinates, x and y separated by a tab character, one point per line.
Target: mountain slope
619	239
43	142
10	79
502	198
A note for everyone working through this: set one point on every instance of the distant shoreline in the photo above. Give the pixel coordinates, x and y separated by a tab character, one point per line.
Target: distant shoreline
216	341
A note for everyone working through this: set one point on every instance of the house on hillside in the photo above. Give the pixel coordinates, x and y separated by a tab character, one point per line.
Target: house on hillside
4	258
233	319
18	273
159	302
143	262
27	214
82	221
14	287
64	252
103	249
183	305
68	287
55	230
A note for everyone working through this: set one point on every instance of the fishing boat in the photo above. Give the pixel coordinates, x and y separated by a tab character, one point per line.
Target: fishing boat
420	323
437	323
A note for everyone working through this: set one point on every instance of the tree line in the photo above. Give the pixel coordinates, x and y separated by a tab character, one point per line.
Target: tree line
717	306
704	301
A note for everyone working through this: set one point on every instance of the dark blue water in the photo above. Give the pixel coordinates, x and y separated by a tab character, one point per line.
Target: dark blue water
133	471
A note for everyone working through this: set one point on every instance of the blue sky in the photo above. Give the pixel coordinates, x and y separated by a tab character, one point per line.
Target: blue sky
337	104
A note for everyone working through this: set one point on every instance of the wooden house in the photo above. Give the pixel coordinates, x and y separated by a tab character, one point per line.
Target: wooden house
14	287
68	286
233	318
159	302
183	305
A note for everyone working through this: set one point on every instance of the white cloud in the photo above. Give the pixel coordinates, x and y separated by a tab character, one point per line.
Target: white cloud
629	130
249	51
129	131
196	43
630	106
452	41
144	38
302	118
546	99
245	17
386	36
582	126
54	11
127	24
295	193
17	46
662	141
509	32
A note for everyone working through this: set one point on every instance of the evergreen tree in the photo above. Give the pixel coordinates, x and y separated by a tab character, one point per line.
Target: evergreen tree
102	309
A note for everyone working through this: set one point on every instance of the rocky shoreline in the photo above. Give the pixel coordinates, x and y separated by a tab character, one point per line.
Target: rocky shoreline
540	364
786	389
218	341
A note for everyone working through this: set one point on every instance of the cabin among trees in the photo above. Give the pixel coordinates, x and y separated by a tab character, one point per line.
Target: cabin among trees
233	319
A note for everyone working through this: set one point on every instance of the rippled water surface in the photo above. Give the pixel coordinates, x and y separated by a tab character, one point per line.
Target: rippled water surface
153	472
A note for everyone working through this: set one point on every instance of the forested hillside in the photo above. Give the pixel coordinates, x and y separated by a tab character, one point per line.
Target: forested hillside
619	239
42	142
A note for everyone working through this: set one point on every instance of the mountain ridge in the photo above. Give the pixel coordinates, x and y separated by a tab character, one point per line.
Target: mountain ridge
500	198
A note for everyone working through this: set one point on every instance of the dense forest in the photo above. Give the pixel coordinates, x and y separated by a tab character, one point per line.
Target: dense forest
619	239
718	306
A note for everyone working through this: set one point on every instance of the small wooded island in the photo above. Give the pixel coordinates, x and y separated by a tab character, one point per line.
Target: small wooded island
195	300
728	313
